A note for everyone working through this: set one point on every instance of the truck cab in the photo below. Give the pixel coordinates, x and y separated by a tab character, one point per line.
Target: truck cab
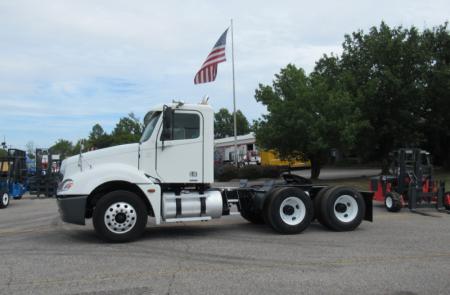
185	142
173	158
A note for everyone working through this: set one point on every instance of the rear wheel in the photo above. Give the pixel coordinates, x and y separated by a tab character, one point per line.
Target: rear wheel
392	202
288	210
120	216
342	208
4	202
317	201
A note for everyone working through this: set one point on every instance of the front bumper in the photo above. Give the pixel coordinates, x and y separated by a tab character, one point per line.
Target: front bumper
72	208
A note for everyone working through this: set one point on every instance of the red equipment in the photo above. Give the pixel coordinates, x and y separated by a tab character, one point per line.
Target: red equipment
411	183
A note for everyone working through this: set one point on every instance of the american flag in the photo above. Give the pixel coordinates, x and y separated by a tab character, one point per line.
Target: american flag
208	71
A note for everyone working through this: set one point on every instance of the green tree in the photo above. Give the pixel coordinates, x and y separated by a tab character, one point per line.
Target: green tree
98	138
62	147
127	130
77	147
224	123
383	70
305	117
436	102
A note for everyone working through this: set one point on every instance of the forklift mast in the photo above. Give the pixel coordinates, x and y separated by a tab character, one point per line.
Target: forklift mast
46	177
411	164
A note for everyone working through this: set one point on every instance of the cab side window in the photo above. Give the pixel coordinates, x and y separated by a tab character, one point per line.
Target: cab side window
186	126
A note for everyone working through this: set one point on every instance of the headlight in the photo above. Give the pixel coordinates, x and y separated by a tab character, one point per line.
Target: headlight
65	185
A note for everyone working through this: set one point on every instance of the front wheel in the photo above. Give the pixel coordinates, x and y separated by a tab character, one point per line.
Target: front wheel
288	210
392	202
120	216
4	202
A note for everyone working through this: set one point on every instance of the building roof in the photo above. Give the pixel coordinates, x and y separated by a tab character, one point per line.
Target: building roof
241	139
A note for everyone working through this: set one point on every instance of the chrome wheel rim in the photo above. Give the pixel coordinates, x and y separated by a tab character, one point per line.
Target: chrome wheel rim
345	208
120	218
5	199
389	202
292	211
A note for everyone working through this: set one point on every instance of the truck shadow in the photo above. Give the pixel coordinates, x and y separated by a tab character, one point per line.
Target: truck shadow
203	230
230	231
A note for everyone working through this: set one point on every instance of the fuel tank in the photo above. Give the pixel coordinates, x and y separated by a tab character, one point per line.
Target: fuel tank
192	204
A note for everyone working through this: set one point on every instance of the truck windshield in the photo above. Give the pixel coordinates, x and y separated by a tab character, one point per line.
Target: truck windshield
151	119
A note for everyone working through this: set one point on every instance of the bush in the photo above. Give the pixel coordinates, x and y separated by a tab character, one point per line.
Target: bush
225	172
250	172
271	171
228	172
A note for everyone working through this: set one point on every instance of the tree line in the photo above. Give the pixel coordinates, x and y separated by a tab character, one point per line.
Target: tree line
388	89
129	129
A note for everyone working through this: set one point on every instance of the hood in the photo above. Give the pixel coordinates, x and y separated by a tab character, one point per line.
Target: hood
123	154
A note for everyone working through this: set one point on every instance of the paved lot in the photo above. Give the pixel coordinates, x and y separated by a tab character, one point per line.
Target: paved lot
397	254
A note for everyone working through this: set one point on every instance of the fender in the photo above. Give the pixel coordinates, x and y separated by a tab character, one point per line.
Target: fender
86	181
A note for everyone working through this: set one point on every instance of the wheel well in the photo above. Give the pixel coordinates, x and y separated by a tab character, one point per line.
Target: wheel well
107	187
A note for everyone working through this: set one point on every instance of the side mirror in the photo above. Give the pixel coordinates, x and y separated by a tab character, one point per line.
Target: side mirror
167	132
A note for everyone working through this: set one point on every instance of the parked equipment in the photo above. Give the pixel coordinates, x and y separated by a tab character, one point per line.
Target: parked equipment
44	180
250	154
410	183
13	175
168	175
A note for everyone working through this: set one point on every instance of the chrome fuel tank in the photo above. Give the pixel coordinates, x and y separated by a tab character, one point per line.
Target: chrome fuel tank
192	204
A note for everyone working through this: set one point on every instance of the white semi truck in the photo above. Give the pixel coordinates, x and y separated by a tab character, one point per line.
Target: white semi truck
169	174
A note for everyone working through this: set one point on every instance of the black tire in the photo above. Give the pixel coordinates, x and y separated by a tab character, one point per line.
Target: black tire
392	202
247	208
135	220
273	207
317	201
337	208
4	201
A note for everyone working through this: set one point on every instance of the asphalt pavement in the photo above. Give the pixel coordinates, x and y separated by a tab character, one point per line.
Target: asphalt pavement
401	253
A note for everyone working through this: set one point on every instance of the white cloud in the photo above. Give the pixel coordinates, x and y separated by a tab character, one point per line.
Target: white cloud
88	59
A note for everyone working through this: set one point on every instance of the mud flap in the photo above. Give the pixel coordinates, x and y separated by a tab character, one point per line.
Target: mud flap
368	197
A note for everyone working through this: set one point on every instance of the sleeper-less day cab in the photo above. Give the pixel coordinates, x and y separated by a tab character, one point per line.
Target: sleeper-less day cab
168	175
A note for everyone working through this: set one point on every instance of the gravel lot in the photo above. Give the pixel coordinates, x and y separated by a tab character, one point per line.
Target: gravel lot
400	253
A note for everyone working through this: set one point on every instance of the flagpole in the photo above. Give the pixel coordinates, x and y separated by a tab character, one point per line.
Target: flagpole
234	98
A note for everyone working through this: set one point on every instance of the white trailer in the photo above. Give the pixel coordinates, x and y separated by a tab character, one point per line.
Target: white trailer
168	175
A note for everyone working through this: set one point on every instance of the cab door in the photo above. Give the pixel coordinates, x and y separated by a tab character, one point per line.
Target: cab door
180	159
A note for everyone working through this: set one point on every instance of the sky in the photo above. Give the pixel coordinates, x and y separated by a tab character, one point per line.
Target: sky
67	65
